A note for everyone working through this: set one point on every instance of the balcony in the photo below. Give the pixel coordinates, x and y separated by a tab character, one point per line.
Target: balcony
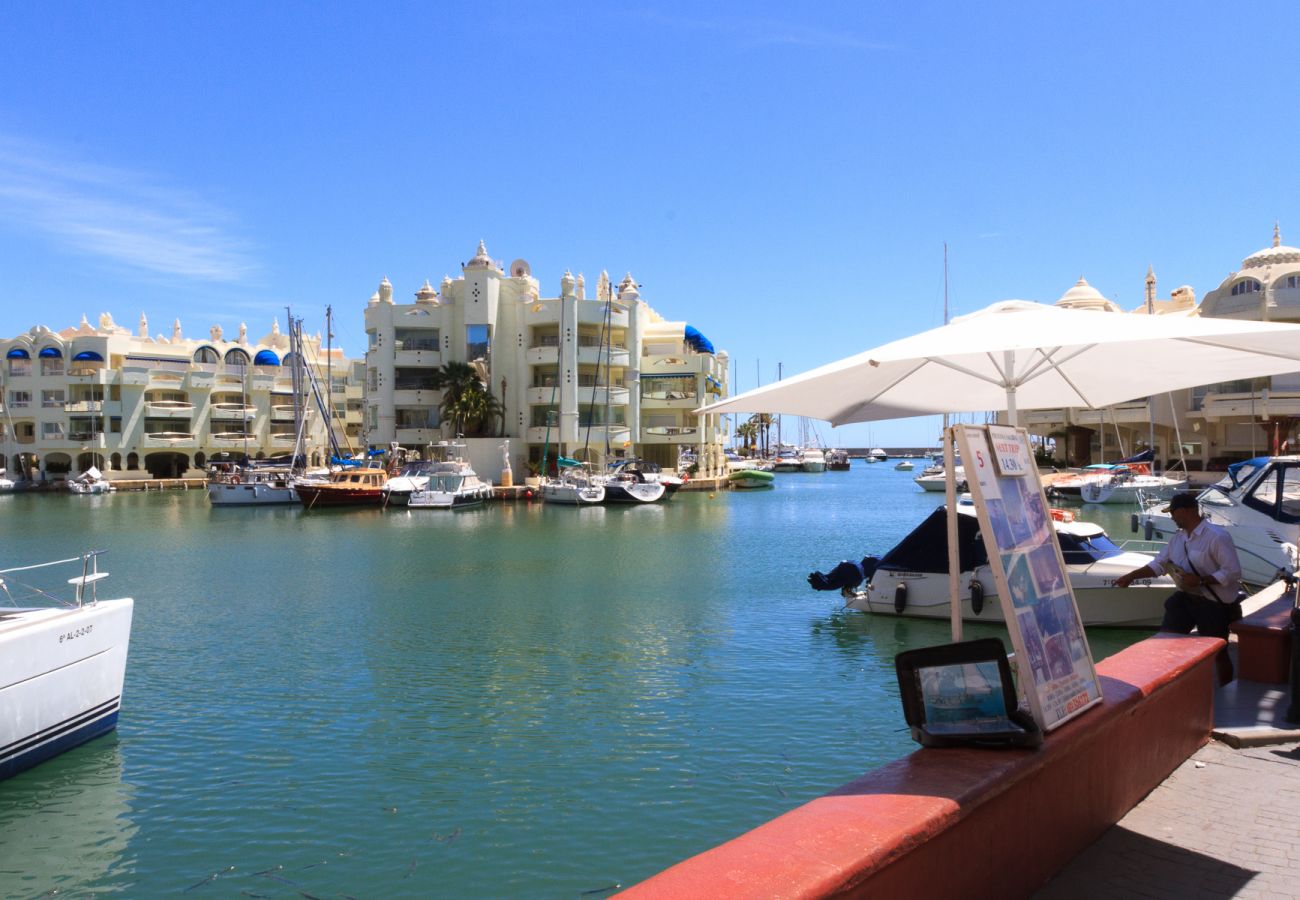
169	409
166	378
283	438
1123	414
427	358
233	411
168	439
88	439
614	356
229	438
426	397
417	437
53	404
202	381
1222	406
599	395
593	313
84	406
542	355
668	434
1043	418
280	411
670	400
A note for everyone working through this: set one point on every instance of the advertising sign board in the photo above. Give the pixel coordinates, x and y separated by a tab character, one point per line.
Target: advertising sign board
1056	669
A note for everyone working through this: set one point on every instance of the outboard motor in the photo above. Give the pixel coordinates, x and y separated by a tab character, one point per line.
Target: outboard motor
847	575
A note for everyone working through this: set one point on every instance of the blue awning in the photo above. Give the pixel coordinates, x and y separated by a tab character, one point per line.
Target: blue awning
18	353
87	356
50	353
266	358
699	343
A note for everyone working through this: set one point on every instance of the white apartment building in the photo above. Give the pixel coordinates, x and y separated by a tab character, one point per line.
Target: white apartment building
1213	424
136	406
590	378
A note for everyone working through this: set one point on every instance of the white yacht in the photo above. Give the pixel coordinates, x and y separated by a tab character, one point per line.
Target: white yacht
252	486
410	478
450	482
875	454
932	477
6	483
1258	502
62	663
912	578
814	460
574	487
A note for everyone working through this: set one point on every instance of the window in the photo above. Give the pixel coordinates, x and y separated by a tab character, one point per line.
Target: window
52	399
51	431
417	418
20	399
542	415
115	425
207	355
478	342
237	359
1246	286
1293	281
52	365
19	368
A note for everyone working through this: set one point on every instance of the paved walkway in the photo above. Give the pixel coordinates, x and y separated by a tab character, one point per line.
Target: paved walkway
1226	823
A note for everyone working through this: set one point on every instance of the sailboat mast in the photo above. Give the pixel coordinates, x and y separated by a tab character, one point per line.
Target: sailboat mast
945	313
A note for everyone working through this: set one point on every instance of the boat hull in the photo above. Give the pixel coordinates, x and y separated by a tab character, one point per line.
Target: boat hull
326	495
448	499
750	479
1100	602
634	492
61	677
250	494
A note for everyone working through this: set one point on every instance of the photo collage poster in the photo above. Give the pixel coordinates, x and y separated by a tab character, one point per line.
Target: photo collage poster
1054	660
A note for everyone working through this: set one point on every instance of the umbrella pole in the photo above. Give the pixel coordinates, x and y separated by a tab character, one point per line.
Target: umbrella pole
954	556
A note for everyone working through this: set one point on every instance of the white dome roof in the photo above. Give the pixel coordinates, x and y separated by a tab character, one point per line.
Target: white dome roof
1272	256
1083	296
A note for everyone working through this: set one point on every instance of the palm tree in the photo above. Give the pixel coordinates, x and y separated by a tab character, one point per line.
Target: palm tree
466	401
763	422
748	432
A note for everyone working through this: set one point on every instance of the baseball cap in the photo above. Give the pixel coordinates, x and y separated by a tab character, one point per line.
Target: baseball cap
1185	500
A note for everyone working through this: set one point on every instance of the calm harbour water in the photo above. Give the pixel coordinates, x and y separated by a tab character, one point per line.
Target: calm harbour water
510	701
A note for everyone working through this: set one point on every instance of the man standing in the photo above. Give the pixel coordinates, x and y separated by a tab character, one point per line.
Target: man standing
1202	560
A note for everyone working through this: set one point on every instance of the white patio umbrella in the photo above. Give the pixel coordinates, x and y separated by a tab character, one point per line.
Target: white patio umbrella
1021	355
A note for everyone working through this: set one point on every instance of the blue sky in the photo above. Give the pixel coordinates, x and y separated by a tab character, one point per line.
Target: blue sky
783	176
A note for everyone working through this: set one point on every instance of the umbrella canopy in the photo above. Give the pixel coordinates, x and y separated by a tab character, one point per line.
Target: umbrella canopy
1021	355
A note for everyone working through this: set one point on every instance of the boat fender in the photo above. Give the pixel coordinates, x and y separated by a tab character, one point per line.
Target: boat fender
900	598
1148	529
976	596
1133	522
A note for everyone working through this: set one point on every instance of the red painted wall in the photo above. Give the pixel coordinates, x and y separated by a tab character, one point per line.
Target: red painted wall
976	823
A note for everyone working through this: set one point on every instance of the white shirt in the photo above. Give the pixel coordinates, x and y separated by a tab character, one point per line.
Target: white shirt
1209	552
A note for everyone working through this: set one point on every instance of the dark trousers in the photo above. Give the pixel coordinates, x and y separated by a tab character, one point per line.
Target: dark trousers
1185	612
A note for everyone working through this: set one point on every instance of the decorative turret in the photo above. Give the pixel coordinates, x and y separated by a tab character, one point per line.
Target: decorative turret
627	289
143	331
603	292
243	333
426	294
1151	290
444	285
374	299
386	291
582	287
177	337
481	259
566	284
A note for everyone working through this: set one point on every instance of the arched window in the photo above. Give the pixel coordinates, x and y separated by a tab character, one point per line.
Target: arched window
87	356
207	355
116	461
50	353
18	353
1293	281
237	358
1246	286
290	360
199	460
266	358
132	461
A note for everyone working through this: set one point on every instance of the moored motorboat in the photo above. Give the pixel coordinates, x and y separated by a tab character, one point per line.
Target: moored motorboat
875	454
912	578
814	460
347	487
450	483
573	487
62	664
253	486
411	477
904	465
1258	503
837	460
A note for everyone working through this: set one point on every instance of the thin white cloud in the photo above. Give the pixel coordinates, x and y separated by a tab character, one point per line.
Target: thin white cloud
761	32
117	214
